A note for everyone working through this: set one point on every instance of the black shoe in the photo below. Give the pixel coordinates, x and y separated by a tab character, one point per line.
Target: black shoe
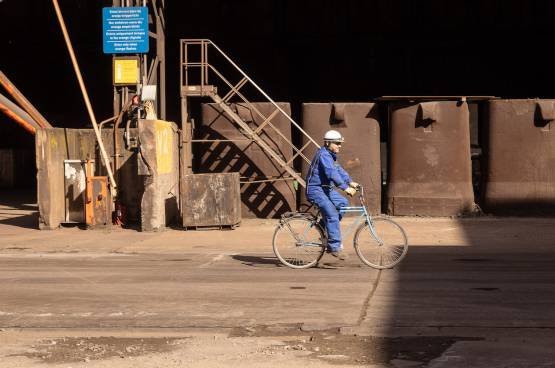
339	255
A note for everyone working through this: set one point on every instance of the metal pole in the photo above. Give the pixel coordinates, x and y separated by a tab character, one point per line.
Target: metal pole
18	111
161	54
21	100
86	98
26	125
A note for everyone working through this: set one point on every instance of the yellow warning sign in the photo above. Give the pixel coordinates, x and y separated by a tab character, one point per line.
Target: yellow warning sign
126	71
164	145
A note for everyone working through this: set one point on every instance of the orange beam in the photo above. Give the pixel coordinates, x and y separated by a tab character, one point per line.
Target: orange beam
31	129
23	102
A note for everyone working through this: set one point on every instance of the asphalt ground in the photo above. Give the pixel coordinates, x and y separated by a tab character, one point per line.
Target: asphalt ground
474	292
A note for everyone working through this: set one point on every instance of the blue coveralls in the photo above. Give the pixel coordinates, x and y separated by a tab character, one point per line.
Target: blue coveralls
324	174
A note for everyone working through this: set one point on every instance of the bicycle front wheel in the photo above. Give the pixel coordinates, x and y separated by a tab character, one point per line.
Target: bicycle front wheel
384	248
298	242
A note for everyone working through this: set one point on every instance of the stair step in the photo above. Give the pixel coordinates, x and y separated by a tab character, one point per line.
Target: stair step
205	90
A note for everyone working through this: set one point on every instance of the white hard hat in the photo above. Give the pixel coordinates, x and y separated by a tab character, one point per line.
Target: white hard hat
333	136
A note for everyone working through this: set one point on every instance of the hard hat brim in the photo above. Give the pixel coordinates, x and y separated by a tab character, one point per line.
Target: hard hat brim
335	140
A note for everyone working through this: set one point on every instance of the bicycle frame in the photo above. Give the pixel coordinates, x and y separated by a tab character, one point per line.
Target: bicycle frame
305	229
363	217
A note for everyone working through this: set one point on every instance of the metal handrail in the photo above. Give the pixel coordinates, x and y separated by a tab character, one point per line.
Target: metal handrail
205	42
298	152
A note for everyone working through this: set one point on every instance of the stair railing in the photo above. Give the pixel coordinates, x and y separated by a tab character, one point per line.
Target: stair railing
204	71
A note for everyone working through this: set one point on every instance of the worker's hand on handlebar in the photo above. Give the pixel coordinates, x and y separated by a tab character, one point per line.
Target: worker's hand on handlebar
350	191
354	185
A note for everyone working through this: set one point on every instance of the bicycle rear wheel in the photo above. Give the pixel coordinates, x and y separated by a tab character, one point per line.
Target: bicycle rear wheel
384	250
299	242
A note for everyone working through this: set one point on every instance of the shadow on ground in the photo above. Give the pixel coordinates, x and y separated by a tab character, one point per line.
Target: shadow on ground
18	208
254	261
449	304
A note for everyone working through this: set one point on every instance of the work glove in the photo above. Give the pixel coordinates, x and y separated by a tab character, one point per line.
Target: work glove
354	185
350	191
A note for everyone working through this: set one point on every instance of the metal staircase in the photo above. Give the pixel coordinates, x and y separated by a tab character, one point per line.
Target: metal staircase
202	78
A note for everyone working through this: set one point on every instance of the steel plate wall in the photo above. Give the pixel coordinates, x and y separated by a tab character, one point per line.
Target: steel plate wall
520	169
430	164
264	199
360	154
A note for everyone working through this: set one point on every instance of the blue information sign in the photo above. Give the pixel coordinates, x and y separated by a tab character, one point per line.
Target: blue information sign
125	30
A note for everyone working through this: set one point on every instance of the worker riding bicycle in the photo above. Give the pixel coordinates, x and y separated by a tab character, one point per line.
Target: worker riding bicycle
325	175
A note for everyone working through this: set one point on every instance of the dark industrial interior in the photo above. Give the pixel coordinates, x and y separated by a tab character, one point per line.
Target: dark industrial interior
298	51
315	51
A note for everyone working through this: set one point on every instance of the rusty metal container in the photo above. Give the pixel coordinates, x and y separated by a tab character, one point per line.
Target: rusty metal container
520	149
223	149
430	163
360	155
97	202
211	200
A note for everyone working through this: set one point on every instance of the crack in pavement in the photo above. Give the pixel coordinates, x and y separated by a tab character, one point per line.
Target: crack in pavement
365	305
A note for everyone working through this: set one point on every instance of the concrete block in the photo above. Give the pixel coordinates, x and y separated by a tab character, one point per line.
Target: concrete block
159	164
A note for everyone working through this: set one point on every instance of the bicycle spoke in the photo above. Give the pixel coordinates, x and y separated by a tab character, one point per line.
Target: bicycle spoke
382	248
382	243
297	249
292	232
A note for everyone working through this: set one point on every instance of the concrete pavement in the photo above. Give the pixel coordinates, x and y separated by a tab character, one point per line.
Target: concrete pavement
471	292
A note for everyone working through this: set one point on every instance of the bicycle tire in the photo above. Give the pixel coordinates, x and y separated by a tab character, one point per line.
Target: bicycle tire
393	248
292	231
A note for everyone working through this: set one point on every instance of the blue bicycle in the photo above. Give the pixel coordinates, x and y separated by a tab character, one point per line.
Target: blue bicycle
300	242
